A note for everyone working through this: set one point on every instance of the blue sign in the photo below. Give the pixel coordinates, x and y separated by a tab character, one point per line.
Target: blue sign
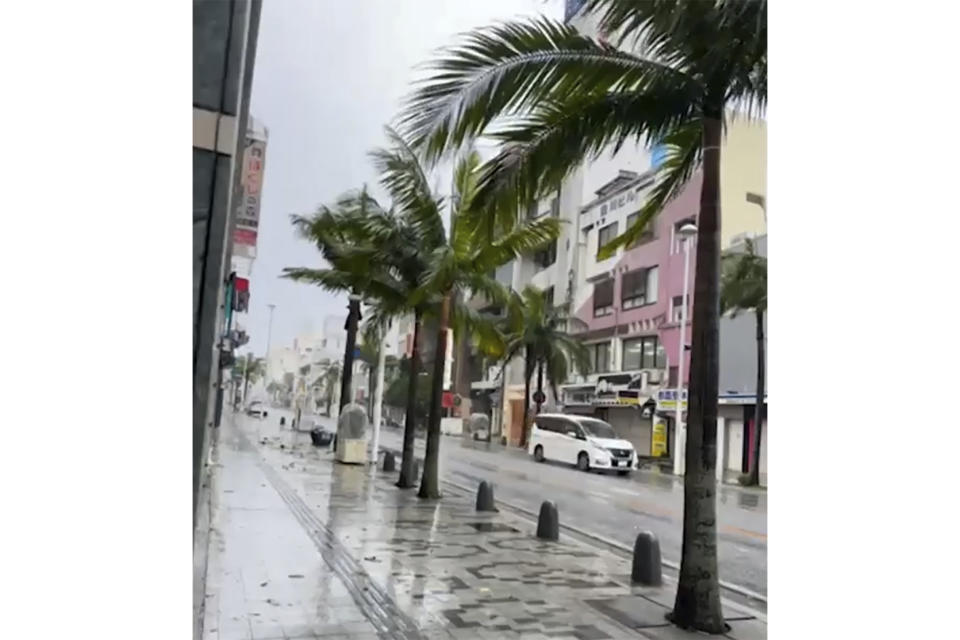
658	153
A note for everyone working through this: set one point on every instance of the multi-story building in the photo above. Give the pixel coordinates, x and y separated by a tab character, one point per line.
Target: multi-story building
630	302
224	48
736	429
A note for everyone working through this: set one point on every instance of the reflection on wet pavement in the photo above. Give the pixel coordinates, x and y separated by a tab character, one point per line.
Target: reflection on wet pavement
306	548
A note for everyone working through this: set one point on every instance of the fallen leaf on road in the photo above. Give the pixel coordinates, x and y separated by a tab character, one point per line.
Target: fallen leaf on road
263	584
295	575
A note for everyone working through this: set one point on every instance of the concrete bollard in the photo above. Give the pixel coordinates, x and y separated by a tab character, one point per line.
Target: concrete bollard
283	421
485	497
548	524
389	463
646	560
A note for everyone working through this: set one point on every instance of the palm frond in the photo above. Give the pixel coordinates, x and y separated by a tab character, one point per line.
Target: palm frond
506	68
743	281
405	180
684	149
328	279
524	238
542	149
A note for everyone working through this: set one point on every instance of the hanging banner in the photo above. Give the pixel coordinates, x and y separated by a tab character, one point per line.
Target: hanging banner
248	212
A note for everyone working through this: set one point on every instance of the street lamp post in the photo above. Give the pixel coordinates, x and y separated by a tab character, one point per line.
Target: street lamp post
266	373
378	395
687	232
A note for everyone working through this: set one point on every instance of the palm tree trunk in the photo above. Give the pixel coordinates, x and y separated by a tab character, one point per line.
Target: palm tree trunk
346	381
754	478
406	480
430	482
527	374
539	385
697	603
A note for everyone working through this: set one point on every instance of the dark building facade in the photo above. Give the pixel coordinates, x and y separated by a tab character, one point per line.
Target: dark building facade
224	50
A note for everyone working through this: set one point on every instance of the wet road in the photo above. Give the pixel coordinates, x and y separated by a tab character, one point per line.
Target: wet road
610	506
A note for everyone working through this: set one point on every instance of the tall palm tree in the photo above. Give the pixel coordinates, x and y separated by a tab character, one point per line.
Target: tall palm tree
743	287
372	336
458	262
375	252
329	380
249	370
679	67
539	330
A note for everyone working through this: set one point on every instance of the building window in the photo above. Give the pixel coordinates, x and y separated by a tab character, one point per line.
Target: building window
606	235
599	357
555	207
643	353
676	307
639	288
603	298
546	256
548	297
676	245
532	210
649	232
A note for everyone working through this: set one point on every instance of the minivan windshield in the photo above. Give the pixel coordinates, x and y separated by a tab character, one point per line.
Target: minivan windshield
597	428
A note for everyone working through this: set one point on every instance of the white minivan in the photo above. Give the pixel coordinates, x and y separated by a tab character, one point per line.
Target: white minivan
585	442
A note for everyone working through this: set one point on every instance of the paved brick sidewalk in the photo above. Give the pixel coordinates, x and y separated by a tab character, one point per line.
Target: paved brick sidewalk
306	548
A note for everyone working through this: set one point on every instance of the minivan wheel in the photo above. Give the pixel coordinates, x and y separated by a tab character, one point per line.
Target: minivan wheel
583	462
538	453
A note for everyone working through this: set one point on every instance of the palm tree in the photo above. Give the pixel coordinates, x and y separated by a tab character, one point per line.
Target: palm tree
377	253
680	66
249	369
457	263
743	287
328	381
372	336
539	330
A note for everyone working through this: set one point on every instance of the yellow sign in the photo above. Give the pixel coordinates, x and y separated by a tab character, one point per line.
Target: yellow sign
658	443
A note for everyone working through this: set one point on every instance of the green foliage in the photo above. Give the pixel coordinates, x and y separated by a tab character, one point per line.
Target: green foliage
395	393
569	97
743	281
540	332
249	368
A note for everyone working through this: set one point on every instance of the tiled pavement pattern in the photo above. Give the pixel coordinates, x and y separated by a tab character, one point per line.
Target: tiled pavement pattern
307	548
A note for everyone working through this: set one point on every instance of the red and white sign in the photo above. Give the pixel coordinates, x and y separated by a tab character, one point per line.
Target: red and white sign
248	213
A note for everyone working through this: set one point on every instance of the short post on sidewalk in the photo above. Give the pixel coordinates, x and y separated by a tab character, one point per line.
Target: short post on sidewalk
485	497
548	524
389	463
646	560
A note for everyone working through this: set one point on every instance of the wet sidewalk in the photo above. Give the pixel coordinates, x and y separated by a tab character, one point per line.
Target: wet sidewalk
302	547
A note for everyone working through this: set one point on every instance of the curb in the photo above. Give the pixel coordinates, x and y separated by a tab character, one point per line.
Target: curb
629	552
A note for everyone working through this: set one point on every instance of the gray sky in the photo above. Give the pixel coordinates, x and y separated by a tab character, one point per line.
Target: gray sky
328	76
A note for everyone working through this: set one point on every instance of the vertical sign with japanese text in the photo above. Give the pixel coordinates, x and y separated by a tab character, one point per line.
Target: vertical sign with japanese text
248	213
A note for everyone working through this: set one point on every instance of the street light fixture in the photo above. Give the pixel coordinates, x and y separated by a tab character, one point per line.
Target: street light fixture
687	233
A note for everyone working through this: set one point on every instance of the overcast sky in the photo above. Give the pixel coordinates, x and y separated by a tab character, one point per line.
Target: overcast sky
328	76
